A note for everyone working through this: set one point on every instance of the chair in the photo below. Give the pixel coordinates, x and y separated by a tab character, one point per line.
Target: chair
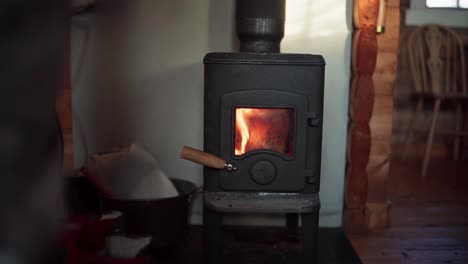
438	71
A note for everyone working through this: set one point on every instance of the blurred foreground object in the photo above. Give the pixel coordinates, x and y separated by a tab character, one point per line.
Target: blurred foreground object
78	6
86	242
34	37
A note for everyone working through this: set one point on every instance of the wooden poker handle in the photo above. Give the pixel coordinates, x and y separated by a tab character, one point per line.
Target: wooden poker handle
202	158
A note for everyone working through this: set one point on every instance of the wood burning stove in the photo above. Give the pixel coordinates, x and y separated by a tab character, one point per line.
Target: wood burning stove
263	115
263	112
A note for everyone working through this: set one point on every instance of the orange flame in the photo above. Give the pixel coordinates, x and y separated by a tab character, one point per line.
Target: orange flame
244	129
262	128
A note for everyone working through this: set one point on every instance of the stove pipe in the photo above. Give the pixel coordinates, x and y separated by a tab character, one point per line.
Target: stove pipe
260	25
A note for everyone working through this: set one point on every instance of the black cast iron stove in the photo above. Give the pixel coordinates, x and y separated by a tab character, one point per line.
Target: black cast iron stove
263	114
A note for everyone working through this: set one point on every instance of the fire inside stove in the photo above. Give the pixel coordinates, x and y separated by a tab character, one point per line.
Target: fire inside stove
264	129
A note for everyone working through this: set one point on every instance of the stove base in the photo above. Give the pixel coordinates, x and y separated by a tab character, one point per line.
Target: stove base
269	203
307	205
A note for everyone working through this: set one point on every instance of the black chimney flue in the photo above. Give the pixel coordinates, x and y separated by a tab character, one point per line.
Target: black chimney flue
260	25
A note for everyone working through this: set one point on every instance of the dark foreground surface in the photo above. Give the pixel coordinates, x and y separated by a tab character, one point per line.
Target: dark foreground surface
257	245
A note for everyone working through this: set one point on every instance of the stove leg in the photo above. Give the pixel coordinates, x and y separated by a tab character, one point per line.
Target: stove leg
292	225
309	236
212	236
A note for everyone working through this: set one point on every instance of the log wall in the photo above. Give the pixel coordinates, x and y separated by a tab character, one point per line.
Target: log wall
374	64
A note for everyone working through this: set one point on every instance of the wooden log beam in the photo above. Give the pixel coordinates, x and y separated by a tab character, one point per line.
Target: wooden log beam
364	57
374	67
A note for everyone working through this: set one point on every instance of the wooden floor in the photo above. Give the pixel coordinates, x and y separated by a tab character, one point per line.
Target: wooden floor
429	220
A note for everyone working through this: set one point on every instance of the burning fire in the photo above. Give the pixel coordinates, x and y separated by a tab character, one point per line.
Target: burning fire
262	128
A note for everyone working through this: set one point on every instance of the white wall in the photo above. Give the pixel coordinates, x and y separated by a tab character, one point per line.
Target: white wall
324	27
138	77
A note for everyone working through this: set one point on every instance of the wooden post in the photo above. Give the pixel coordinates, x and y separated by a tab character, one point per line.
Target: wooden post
371	106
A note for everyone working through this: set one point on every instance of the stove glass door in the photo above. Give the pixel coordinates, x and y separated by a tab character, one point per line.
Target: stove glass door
264	129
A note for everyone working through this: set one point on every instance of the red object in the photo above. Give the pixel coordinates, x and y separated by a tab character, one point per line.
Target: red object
84	242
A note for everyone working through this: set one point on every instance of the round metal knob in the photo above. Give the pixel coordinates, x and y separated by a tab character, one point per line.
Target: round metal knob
263	172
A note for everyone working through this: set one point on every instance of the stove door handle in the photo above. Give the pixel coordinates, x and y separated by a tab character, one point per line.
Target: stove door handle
206	159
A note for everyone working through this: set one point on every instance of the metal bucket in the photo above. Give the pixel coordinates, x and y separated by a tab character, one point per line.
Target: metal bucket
165	219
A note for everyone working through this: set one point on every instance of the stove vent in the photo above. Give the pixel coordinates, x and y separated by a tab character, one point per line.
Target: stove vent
260	25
